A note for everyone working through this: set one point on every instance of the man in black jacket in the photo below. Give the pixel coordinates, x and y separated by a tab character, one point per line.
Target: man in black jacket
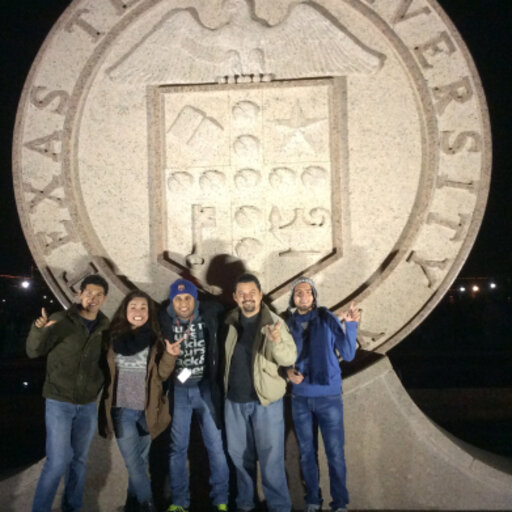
73	341
190	329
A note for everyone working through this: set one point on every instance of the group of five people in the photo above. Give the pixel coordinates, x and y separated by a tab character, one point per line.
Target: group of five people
231	371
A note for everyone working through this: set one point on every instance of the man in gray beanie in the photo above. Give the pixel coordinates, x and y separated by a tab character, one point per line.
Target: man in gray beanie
316	388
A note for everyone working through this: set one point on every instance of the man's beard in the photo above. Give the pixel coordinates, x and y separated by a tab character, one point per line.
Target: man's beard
249	306
302	310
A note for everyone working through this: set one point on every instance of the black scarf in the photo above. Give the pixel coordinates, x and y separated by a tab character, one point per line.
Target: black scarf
134	341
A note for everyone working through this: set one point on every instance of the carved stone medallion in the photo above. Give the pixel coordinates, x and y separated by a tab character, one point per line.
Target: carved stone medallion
347	140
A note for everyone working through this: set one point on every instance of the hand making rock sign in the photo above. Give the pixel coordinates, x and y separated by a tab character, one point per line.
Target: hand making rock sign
352	315
174	348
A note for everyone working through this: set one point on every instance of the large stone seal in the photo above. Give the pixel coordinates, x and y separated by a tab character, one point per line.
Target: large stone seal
345	140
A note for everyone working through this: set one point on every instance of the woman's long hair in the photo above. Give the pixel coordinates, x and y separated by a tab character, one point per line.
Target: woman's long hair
120	325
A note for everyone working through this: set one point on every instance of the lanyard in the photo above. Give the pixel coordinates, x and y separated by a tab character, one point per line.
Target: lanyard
187	332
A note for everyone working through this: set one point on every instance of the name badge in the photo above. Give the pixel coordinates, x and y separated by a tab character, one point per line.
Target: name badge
184	375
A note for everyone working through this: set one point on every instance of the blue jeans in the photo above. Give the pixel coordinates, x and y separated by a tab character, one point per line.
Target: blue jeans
69	432
134	442
327	413
186	401
256	432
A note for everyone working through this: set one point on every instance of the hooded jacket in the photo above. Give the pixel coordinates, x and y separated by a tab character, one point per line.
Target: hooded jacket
317	359
267	356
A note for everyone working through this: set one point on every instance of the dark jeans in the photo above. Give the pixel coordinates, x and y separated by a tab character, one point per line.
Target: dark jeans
328	413
256	432
134	442
69	432
186	401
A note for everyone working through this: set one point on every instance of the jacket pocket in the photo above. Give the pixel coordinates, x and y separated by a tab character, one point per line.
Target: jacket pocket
271	370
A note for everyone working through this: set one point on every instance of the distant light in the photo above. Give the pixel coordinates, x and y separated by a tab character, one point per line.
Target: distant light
51	301
25	284
45	297
25	384
475	288
492	286
3	300
462	289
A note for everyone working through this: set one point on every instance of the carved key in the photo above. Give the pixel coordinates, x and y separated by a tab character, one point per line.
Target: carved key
202	217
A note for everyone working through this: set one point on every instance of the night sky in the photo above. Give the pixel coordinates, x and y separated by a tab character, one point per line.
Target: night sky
483	24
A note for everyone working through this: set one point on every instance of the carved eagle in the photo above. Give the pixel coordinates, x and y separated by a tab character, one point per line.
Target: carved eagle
308	42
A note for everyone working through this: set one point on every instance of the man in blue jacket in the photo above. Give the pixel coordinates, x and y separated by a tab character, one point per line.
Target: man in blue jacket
316	389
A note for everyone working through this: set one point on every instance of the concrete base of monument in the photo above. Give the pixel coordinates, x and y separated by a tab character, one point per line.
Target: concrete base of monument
105	488
397	460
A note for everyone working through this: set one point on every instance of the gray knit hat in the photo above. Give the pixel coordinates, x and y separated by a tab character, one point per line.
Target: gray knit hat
299	281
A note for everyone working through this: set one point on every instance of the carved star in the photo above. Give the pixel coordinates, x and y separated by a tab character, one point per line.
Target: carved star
298	124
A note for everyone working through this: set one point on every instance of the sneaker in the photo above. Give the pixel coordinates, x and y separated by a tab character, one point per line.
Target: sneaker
313	508
176	508
131	505
222	507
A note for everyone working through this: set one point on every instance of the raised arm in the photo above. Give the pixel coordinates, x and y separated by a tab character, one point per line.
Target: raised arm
41	338
167	362
346	341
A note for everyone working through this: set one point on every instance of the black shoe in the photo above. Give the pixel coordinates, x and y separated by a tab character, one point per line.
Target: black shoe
131	505
147	507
